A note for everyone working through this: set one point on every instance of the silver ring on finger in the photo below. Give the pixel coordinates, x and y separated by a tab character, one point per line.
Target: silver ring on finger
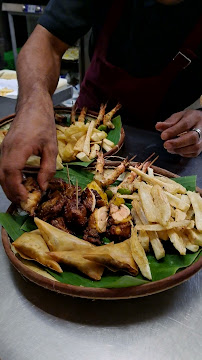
198	132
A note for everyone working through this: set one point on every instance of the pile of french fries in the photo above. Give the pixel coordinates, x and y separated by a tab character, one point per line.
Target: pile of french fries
162	210
81	141
78	141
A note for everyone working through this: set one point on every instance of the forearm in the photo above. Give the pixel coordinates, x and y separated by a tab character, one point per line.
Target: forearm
38	67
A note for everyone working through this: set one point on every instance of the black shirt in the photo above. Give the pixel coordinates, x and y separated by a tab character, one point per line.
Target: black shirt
147	37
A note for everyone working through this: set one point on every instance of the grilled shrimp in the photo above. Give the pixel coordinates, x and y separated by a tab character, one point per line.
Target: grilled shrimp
73	113
100	115
127	183
115	173
109	115
100	163
83	114
99	175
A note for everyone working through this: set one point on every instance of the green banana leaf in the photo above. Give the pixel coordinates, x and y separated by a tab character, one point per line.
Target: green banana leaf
12	224
80	163
189	182
83	176
159	269
115	134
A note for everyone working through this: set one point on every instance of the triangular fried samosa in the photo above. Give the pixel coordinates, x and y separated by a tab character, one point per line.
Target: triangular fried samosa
31	246
114	256
75	259
58	240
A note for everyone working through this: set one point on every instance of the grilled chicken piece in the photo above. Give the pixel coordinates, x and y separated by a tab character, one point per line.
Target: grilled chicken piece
119	232
119	214
98	219
34	196
92	236
73	215
59	223
99	201
88	199
67	189
52	207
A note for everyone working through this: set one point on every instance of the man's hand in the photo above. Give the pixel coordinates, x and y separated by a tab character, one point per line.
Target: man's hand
178	135
32	133
33	130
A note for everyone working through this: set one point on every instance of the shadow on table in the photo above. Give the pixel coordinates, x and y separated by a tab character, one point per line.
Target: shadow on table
103	312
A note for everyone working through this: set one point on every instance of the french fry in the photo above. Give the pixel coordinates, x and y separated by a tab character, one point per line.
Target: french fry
172	188
180	215
60	128
139	255
61	148
144	239
79	144
82	156
140	212
98	135
190	213
147	202
86	147
68	153
156	244
150	172
196	202
189	244
176	202
108	142
189	224
180	189
136	184
60	135
163	235
163	209
106	147
93	151
195	236
177	241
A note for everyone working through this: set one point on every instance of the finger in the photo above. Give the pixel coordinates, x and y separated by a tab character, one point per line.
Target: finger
48	166
184	124
192	149
191	155
172	120
11	174
12	186
182	141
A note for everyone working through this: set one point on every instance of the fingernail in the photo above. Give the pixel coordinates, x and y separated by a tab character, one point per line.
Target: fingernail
164	136
168	146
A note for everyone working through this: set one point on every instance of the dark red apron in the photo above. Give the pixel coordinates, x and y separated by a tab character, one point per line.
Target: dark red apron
141	97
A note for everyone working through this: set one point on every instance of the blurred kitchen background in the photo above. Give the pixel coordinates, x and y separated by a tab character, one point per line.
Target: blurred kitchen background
17	21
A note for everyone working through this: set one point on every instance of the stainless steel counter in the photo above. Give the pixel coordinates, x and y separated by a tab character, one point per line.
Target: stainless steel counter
36	324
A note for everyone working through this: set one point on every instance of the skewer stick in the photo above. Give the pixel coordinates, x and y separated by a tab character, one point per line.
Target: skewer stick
132	158
77	195
153	161
68	177
148	158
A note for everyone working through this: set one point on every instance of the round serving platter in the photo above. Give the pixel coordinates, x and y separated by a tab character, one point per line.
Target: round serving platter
100	293
67	110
